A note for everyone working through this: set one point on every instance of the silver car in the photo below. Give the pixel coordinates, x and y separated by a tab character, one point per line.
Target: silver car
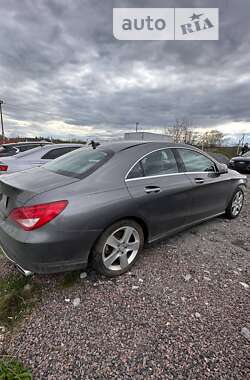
34	157
102	205
11	149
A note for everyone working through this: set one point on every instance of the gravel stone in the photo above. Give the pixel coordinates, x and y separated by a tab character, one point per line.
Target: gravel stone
245	286
245	332
198	315
187	277
76	301
27	288
83	275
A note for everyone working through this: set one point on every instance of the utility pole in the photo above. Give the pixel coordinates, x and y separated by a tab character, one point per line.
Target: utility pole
136	126
1	115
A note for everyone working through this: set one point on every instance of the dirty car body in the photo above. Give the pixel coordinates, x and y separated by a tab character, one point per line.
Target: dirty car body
163	199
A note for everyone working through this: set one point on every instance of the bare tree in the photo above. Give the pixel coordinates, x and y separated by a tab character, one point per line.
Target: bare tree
181	131
211	139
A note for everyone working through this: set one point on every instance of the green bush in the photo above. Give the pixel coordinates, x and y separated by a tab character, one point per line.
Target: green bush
11	369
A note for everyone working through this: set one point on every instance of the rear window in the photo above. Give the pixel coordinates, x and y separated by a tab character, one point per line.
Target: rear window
79	163
23	148
8	150
55	153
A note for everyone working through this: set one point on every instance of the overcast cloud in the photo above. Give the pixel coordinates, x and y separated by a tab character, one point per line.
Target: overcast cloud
62	73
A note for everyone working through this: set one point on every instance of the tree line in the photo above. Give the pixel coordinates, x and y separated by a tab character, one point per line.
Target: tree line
182	131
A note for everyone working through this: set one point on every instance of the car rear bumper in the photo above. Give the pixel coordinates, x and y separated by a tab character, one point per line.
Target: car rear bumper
40	252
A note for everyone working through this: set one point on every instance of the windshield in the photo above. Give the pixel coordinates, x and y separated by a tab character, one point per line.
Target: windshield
247	154
78	163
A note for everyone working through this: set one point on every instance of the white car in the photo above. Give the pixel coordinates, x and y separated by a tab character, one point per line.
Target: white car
34	157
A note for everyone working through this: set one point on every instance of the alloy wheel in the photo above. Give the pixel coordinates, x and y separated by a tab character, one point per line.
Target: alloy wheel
237	203
121	248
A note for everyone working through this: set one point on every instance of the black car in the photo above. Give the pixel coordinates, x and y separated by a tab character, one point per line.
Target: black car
12	149
241	163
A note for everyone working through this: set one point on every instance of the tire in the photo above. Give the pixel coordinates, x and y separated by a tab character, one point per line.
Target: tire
236	203
111	255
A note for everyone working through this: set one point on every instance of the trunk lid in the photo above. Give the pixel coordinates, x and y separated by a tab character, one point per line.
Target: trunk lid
17	188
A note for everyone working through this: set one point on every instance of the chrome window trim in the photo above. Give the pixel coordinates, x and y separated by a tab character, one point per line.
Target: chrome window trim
164	175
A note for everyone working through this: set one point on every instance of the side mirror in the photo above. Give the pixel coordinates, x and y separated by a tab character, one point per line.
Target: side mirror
222	168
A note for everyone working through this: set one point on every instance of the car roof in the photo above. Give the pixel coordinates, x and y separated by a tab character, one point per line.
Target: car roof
123	145
44	148
27	143
63	145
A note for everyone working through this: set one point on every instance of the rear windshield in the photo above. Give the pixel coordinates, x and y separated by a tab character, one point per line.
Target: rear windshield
79	163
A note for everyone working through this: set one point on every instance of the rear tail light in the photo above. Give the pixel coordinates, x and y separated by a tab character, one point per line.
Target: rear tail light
33	217
3	168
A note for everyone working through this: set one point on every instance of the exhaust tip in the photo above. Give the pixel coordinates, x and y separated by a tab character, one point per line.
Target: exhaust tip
24	272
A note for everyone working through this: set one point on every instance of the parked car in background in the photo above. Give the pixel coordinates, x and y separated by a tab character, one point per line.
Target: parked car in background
241	163
14	148
34	157
102	205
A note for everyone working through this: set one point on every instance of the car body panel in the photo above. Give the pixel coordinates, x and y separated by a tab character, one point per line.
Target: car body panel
164	210
11	149
208	197
100	199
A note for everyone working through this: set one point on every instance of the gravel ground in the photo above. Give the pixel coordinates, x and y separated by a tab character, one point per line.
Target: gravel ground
178	314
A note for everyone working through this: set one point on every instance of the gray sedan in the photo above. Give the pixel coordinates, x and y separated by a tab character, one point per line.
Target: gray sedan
102	205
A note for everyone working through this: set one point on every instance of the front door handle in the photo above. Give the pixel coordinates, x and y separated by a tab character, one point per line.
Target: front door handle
199	180
152	189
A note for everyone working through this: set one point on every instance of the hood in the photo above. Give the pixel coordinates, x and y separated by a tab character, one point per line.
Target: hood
241	158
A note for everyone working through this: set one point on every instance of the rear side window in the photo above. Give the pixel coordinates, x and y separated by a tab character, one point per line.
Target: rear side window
79	163
8	151
26	147
55	153
196	162
156	163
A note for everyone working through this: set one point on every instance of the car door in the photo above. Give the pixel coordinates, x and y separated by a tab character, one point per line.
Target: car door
160	191
209	188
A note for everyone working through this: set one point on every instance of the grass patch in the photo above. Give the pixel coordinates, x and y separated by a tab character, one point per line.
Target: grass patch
229	151
17	295
11	369
69	279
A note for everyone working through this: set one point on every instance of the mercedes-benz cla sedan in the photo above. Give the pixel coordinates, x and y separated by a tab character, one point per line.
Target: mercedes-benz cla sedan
102	205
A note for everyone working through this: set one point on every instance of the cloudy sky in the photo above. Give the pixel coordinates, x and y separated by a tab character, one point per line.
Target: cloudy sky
62	73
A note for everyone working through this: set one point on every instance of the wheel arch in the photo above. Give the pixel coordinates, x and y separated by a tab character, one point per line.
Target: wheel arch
136	219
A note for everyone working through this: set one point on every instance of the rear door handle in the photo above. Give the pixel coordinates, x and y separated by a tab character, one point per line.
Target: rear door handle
199	180
152	189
